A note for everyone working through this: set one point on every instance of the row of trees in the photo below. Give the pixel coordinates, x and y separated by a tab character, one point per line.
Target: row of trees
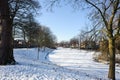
33	33
86	39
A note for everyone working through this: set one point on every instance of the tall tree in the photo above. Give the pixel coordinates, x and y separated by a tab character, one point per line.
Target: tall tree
6	52
108	10
9	9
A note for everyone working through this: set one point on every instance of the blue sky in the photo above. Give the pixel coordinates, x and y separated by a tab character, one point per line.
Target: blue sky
64	22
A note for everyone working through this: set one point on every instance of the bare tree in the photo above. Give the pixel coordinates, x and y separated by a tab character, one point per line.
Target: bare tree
108	10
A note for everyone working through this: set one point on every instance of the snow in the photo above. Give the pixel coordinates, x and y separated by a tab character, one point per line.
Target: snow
59	64
81	61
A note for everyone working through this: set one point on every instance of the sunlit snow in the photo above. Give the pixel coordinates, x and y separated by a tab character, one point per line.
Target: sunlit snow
59	64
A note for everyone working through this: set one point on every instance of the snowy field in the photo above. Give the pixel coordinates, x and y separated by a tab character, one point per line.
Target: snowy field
59	64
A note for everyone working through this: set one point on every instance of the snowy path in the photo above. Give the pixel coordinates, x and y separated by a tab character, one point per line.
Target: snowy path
64	64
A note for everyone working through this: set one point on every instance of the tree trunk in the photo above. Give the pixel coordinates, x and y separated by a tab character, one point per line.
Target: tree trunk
6	46
111	73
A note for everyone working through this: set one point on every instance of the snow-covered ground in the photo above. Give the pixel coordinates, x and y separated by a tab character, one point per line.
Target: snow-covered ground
60	64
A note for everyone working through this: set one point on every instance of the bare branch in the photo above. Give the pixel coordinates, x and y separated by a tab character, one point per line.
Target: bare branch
102	15
118	28
114	11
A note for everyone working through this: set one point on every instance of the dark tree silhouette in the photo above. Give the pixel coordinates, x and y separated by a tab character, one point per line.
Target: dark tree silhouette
6	44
